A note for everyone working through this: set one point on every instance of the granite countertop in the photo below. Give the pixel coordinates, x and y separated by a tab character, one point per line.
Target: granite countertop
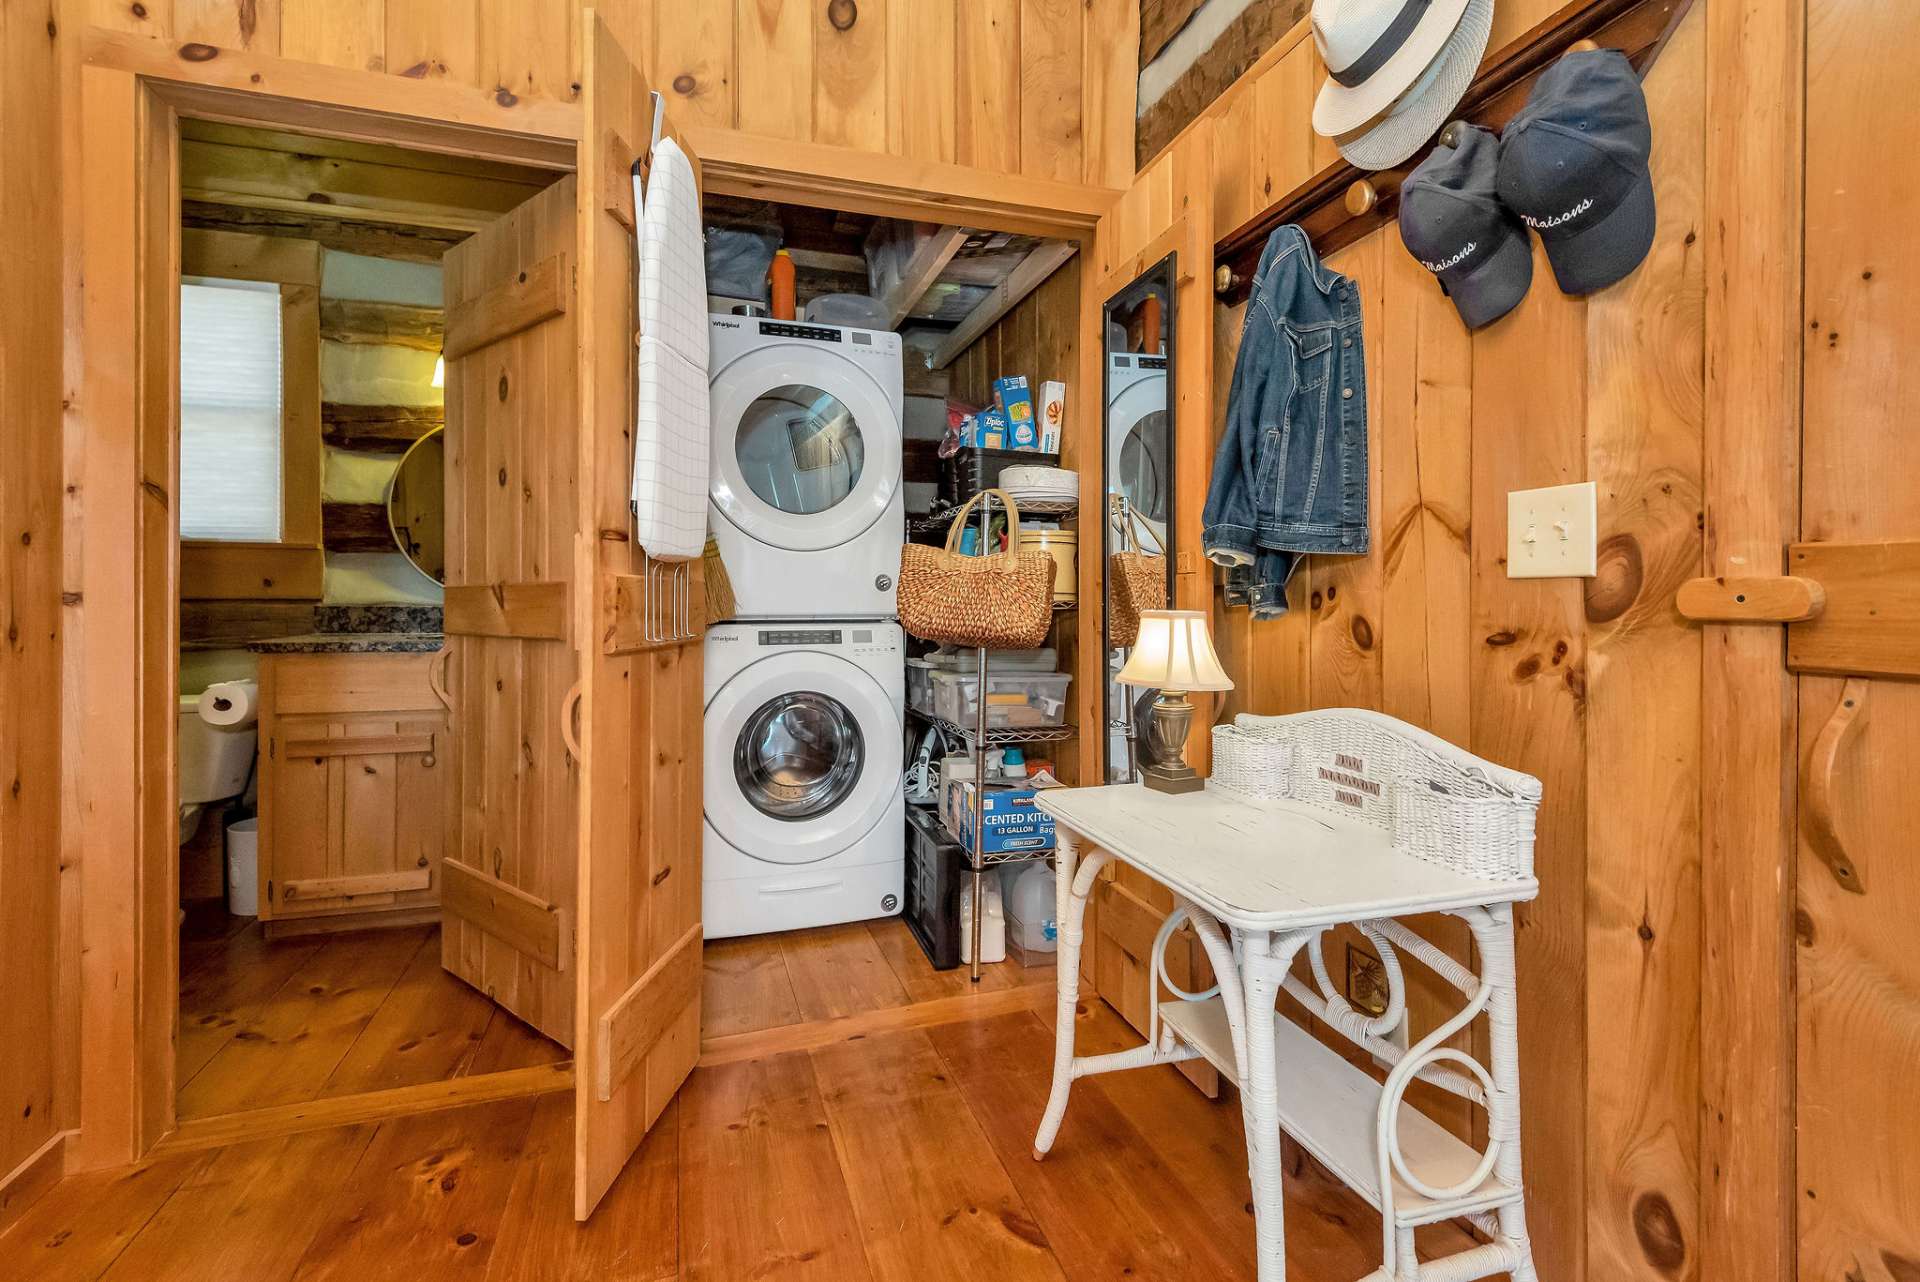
350	643
361	629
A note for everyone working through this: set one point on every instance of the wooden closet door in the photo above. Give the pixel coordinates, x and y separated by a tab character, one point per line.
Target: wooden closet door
512	497
638	1023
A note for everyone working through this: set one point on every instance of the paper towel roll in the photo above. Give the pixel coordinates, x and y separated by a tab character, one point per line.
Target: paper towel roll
230	703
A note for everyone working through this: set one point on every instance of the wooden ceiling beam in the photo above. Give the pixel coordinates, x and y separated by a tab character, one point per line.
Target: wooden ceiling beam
1023	280
900	290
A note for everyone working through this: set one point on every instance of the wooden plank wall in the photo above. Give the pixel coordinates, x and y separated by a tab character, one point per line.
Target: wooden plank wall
1857	1177
1557	678
34	1067
1036	87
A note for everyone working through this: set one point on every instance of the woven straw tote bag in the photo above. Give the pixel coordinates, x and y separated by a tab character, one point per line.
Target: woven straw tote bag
1000	601
1139	581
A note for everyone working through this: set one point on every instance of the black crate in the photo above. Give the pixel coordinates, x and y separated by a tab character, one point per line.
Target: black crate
972	469
936	865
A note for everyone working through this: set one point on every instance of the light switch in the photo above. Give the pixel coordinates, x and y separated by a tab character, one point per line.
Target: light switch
1552	533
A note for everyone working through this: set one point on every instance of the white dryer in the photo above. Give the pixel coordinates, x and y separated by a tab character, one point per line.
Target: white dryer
807	505
1139	443
805	823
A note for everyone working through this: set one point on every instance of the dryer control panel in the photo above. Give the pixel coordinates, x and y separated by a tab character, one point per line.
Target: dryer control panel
859	639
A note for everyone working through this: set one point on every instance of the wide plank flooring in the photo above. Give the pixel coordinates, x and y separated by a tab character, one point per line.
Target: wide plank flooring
266	1023
901	1153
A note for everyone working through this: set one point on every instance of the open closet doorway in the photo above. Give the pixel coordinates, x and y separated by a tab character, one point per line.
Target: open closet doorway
332	440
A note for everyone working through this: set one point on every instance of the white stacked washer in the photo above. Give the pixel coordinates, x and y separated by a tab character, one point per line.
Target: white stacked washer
806	689
805	819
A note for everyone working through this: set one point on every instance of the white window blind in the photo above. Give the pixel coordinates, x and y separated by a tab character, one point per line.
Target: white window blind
230	430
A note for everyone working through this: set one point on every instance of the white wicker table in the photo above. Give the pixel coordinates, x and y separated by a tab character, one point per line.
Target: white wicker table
1263	879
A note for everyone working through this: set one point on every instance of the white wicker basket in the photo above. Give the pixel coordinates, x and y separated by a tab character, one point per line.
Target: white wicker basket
1251	764
1439	802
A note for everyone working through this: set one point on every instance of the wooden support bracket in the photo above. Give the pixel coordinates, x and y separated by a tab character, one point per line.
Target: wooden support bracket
524	922
1851	609
534	611
385	883
532	296
642	1015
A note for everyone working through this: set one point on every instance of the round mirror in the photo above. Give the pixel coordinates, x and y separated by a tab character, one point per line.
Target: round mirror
417	507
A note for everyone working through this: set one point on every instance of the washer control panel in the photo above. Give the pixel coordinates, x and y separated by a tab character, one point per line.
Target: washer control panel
860	640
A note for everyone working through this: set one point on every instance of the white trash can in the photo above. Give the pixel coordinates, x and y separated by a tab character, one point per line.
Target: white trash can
243	868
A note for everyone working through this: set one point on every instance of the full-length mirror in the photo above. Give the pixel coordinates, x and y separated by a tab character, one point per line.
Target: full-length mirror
1138	483
417	505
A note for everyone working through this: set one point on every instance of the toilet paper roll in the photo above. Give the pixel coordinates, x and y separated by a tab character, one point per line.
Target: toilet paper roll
230	703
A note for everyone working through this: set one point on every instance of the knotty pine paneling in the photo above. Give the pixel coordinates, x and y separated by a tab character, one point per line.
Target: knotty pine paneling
38	1059
1594	687
1042	88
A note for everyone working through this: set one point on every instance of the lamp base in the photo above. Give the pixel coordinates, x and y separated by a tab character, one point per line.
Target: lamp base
1176	778
1167	730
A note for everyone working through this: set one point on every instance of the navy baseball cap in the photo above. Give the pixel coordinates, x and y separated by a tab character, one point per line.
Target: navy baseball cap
1574	166
1452	222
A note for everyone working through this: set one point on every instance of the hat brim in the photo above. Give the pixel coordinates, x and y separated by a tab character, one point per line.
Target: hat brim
1497	285
1395	135
1610	250
1338	109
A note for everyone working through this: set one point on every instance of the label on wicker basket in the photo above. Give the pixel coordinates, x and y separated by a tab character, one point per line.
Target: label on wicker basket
1348	783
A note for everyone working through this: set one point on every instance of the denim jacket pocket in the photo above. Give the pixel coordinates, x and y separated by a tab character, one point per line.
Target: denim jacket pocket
1302	456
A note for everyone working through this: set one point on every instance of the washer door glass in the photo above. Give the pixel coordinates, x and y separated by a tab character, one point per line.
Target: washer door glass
800	449
799	755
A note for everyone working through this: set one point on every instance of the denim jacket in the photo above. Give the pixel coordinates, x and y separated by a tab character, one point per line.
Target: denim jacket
1290	476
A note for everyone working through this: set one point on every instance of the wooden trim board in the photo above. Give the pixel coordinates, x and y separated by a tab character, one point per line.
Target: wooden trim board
384	883
535	295
759	1044
350	1110
25	1183
372	745
644	1013
250	572
533	611
233	255
629	614
536	929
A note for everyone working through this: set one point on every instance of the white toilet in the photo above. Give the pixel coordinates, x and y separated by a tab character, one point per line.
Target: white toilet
214	763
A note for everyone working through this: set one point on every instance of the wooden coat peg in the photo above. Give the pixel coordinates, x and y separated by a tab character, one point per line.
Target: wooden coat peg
1362	196
1454	134
1583	46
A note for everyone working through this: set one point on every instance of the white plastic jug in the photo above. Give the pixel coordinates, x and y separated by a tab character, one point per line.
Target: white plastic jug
1030	905
993	927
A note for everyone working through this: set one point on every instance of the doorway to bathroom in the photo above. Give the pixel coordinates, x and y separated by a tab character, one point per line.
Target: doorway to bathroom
319	962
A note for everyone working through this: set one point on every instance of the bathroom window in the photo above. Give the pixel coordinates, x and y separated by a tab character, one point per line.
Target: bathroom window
231	414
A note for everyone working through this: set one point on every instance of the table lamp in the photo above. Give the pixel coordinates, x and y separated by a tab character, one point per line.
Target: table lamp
1174	654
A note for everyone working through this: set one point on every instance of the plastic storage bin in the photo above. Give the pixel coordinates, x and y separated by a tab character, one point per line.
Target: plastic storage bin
1015	700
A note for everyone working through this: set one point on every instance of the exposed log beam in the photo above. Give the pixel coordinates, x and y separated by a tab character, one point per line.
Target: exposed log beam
394	324
1248	36
356	527
1023	280
347	236
378	429
256	178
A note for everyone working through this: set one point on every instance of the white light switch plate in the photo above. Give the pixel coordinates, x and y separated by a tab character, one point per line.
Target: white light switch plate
1551	533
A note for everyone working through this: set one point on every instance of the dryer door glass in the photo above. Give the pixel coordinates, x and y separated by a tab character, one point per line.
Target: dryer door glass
800	449
798	755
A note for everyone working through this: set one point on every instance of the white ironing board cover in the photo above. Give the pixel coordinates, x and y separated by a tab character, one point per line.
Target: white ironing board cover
1267	865
673	421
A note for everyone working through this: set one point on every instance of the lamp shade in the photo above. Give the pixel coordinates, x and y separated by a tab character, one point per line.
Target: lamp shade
1174	652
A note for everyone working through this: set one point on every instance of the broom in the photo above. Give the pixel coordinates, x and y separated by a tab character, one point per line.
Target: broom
720	601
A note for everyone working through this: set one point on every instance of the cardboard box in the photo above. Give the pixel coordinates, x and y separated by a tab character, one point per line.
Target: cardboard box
1012	399
1012	821
1053	415
985	430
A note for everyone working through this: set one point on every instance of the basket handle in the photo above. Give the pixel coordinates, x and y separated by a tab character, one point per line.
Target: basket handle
959	521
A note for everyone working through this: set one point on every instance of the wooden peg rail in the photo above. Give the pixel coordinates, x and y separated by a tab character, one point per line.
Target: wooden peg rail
1851	609
1343	203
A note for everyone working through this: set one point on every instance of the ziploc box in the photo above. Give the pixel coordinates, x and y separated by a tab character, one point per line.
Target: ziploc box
1011	822
1011	397
987	430
1053	415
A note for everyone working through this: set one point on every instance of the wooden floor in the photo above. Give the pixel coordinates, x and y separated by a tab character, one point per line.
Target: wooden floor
296	1020
897	1153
